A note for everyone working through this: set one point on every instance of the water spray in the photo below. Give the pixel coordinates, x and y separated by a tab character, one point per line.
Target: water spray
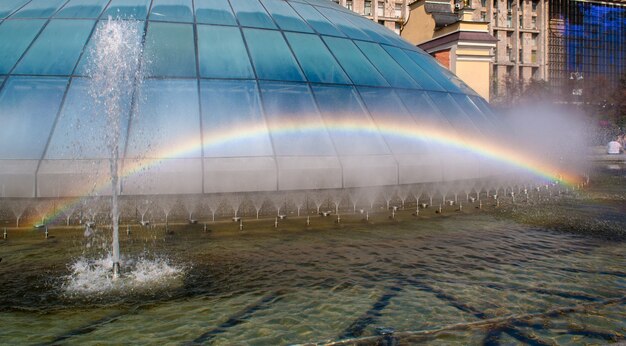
127	229
5	233
204	227
46	232
276	222
240	224
308	220
338	219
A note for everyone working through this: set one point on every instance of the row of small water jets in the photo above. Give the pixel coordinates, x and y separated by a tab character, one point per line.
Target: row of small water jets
280	204
94	275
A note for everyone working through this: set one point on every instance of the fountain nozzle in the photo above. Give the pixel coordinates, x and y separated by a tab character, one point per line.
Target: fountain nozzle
116	270
5	233
46	232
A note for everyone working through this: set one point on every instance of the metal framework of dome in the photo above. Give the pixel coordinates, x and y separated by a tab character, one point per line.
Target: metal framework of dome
238	95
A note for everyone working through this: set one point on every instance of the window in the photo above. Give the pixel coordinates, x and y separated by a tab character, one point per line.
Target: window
368	8
285	16
214	12
533	56
495	3
252	13
57	49
509	53
509	20
82	9
358	68
127	9
172	10
483	3
28	107
398	10
173	45
15	37
271	56
533	23
316	61
534	4
393	73
397	28
222	53
349	5
380	9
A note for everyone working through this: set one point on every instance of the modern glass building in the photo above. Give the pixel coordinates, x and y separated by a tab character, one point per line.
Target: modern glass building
238	95
587	44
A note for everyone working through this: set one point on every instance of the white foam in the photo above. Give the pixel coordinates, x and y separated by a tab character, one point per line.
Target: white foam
95	276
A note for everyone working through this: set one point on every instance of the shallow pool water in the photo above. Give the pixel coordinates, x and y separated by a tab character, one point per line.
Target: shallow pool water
466	279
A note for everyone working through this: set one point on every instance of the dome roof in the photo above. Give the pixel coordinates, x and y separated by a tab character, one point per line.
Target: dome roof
237	95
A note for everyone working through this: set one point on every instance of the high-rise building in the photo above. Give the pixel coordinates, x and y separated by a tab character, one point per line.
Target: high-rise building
389	13
587	45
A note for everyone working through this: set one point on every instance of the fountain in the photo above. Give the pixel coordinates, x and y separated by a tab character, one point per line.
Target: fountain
212	120
114	72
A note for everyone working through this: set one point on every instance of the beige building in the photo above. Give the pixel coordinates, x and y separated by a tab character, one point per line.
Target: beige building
389	13
458	41
520	27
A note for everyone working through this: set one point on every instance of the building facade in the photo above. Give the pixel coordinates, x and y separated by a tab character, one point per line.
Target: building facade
587	46
389	13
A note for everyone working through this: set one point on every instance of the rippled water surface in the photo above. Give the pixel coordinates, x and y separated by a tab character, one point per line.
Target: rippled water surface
470	279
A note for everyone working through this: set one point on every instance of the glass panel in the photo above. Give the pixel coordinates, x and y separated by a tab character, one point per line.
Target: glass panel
341	110
316	61
39	9
315	19
475	114
394	74
436	71
252	13
297	129
28	107
391	36
15	37
168	123
172	10
232	122
82	129
214	12
170	50
343	24
127	9
390	115
454	114
285	16
222	53
366	26
360	70
484	107
418	74
82	9
423	110
86	58
271	56
57	49
8	6
1	80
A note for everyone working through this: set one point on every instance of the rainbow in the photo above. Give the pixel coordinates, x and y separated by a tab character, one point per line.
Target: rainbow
433	135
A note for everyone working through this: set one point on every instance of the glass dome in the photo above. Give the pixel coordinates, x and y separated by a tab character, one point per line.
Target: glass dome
238	95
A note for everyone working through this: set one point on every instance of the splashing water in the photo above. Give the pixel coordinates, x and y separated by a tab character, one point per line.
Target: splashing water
89	277
114	73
